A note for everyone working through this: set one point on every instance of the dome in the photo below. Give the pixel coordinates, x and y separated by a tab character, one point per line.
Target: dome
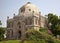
29	9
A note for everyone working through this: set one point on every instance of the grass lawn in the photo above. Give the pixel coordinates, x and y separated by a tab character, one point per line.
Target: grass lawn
10	41
17	41
31	41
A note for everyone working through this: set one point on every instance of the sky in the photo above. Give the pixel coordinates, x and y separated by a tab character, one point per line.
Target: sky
9	7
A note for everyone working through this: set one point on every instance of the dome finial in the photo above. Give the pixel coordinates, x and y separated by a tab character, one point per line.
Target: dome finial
14	14
28	2
7	17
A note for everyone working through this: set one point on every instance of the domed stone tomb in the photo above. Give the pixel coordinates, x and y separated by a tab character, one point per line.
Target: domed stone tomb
29	17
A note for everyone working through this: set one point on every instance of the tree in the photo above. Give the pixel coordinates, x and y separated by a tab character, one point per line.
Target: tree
55	23
58	27
2	31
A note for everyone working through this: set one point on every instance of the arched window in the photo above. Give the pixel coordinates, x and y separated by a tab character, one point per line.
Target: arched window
11	33
31	21
36	21
26	21
33	11
8	24
19	24
12	24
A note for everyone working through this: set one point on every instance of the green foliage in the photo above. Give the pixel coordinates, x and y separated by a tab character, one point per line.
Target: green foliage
2	31
41	36
55	23
45	30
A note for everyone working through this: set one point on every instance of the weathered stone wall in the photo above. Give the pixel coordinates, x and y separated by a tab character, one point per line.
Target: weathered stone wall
27	18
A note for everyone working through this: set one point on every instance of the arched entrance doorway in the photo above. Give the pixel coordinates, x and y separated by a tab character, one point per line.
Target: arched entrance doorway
19	34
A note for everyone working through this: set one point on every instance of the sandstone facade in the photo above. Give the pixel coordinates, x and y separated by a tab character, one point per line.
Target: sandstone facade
29	17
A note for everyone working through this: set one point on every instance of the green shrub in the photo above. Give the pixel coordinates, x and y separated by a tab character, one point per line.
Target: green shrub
2	32
40	36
